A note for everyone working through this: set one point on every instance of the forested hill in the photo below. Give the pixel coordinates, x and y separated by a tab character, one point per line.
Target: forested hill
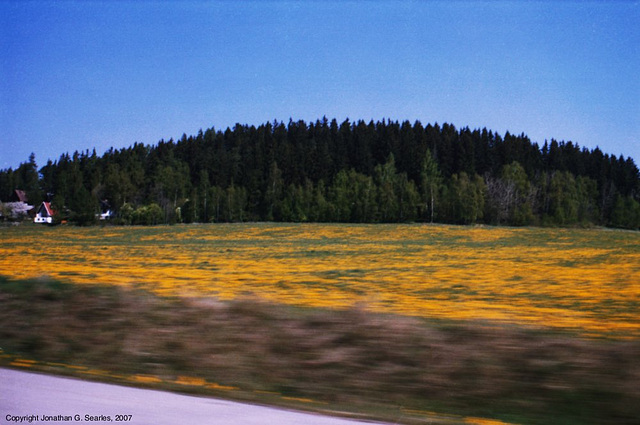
383	171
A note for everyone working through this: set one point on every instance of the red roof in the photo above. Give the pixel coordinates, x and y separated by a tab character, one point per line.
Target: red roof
19	196
47	207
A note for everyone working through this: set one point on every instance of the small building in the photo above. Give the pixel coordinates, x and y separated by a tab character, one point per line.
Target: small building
17	208
19	196
105	210
44	214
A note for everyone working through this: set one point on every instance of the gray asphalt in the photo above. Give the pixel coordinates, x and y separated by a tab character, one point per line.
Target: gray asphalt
37	398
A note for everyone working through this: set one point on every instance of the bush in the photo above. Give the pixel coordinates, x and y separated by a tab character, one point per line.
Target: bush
148	215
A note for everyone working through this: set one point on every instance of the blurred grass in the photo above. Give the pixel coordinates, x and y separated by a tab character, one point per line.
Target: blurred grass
383	365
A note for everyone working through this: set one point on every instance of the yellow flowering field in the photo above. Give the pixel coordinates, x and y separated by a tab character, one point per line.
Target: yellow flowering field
584	280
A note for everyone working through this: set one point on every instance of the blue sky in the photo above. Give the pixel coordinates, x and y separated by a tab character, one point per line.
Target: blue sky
82	75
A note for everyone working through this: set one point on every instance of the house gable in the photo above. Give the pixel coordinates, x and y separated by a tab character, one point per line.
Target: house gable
44	214
19	196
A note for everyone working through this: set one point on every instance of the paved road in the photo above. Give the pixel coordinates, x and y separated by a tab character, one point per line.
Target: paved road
26	395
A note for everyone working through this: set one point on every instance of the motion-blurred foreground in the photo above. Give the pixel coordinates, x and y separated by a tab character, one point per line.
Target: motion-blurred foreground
385	366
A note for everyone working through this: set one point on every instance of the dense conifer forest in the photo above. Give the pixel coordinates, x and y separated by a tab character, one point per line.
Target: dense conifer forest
325	171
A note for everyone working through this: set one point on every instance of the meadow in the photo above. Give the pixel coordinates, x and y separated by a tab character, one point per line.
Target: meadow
584	281
406	323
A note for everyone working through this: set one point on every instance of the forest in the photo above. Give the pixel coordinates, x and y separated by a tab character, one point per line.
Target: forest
325	171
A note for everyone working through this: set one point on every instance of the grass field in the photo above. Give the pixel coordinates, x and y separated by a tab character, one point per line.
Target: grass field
409	324
580	280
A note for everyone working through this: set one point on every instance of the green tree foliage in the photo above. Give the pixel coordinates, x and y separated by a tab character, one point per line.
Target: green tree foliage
626	213
28	180
125	214
148	215
430	184
382	171
464	199
511	196
339	199
235	204
386	180
352	198
273	191
81	205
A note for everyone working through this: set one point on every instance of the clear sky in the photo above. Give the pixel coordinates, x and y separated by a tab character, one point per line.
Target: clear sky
81	75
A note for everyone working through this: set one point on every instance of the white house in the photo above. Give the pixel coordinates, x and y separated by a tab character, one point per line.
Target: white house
44	214
105	211
17	208
105	215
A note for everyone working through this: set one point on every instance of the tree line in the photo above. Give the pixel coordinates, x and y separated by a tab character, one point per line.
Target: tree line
325	171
